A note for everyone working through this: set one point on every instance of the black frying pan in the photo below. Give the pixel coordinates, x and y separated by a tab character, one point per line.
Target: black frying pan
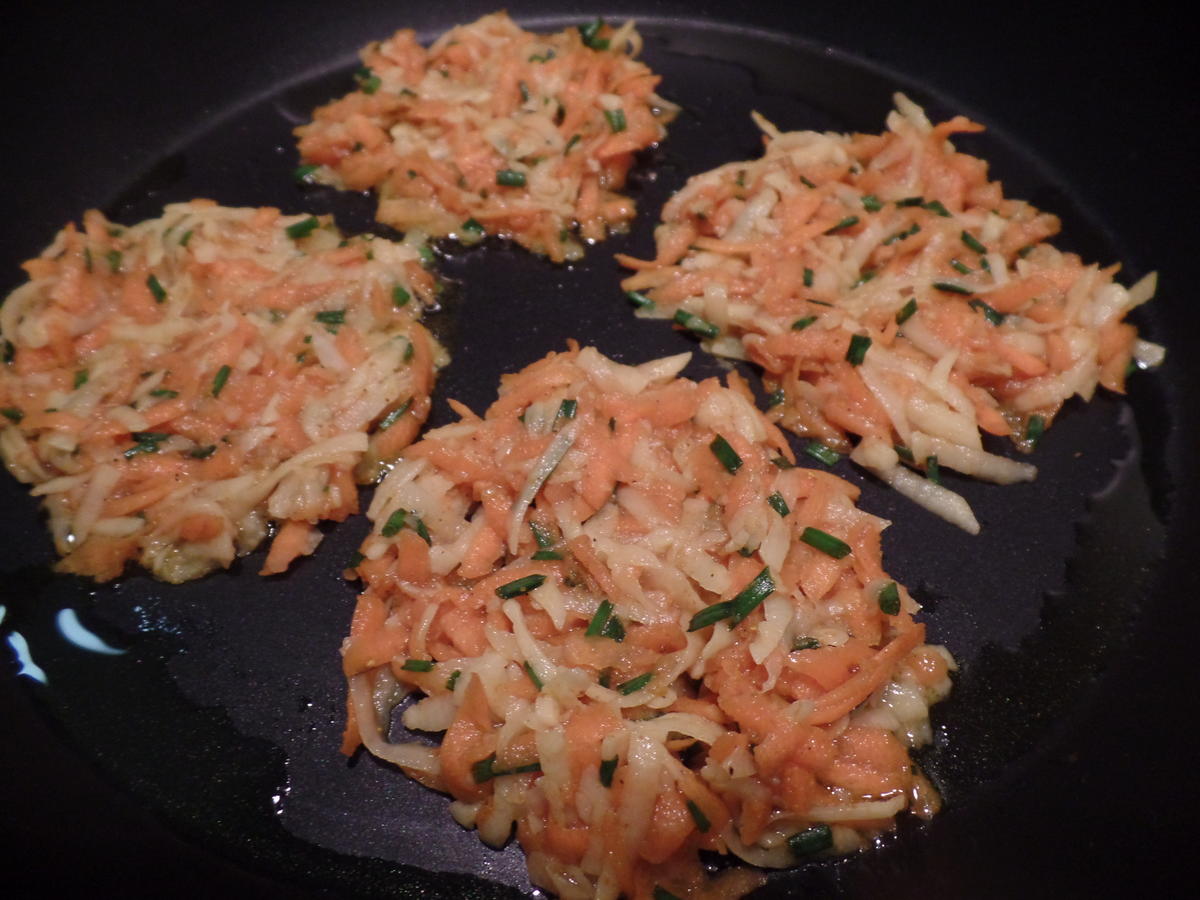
202	760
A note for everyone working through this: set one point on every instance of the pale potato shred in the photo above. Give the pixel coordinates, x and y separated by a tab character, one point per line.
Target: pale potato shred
644	631
173	389
495	130
894	298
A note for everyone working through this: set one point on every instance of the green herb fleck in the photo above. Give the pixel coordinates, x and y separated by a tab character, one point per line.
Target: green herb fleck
417	665
778	503
751	596
695	324
219	380
822	452
81	378
633	685
801	324
639	299
889	599
811	840
932	470
825	542
725	454
808	277
510	178
805	642
608	768
400	295
935	206
303	228
990	314
857	351
616	120
520	586
848	222
156	288
871	203
972	242
1034	429
698	816
906	311
368	81
13	414
391	418
533	676
590	35
951	287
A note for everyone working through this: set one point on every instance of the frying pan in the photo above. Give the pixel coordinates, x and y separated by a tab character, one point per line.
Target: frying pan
201	760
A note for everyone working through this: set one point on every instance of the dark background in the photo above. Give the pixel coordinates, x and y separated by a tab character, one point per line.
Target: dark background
1105	95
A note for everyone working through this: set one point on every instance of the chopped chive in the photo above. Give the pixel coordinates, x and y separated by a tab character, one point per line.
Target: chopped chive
871	203
472	226
811	840
575	139
546	554
661	893
534	766
510	178
164	392
156	288
524	89
81	378
541	535
935	206
904	453
817	302
698	816
418	665
605	677
961	268
202	452
826	543
303	228
409	350
484	770
751	596
778	503
973	242
695	324
633	685
808	277
808	184
87	257
639	299
863	278
13	414
185	237
911	201
889	599
427	255
1034	429
801	324
368	81
616	119
520	586
590	35
567	409
776	397
400	296
394	523
822	452
901	235
805	642
219	380
614	630
607	768
857	351
906	311
422	531
847	222
988	313
984	264
533	676
114	260
951	287
740	181
725	454
453	679
600	619
782	463
331	317
391	418
932	470
304	174
146	442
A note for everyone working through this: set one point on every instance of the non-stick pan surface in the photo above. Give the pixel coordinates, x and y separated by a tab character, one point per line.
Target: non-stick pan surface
202	759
